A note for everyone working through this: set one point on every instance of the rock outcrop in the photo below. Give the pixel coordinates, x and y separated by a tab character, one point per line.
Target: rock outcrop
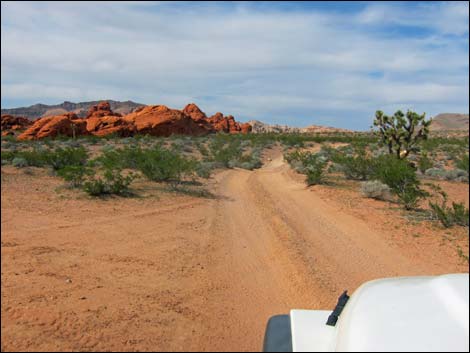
10	122
155	120
107	125
100	110
193	111
227	124
159	120
65	125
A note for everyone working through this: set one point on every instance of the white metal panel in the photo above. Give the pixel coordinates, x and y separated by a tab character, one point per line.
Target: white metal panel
407	314
309	331
428	313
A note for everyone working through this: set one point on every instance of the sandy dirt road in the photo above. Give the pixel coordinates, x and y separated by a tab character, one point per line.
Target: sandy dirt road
181	273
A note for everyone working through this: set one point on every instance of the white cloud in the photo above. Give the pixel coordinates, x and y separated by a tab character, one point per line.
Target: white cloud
271	65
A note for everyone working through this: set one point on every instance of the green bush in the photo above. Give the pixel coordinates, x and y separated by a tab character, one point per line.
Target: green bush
158	164
358	167
462	163
401	177
223	152
424	163
458	214
112	182
311	164
75	175
68	156
204	169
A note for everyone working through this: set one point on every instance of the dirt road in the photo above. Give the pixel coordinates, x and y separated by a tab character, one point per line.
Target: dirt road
180	273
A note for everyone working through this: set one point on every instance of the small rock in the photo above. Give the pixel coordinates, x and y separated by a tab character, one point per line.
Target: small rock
82	298
68	280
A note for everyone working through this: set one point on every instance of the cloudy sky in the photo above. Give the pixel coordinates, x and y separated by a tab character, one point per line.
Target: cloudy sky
290	63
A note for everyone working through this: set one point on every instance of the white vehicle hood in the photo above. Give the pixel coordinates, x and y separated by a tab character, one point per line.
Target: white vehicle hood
397	314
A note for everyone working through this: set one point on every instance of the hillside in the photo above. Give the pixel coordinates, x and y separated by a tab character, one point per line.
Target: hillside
40	110
449	121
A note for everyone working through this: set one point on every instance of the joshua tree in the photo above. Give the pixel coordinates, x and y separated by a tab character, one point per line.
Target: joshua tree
401	133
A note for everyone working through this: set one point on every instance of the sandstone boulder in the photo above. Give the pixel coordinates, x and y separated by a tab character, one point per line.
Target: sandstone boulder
193	111
159	120
106	125
11	122
101	109
227	124
66	125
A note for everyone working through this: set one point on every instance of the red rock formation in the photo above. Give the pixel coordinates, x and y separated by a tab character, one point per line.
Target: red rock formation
156	120
193	111
106	125
227	124
245	128
11	122
67	125
159	120
101	109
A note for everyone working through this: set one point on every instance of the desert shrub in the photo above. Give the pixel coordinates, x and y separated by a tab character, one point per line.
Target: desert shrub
458	214
223	152
358	167
311	164
435	173
112	182
375	189
75	175
19	162
455	174
107	148
204	169
401	177
462	163
203	150
424	162
158	164
247	161
35	157
315	171
69	156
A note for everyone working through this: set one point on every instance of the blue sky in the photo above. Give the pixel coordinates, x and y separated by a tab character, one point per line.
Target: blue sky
296	63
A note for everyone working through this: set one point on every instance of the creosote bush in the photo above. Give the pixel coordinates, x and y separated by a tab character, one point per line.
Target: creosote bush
111	183
401	177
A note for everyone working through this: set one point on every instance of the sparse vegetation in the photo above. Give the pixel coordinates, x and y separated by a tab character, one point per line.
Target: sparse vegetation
424	162
112	182
457	214
311	164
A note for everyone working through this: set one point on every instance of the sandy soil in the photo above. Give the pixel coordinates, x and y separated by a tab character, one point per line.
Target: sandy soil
173	272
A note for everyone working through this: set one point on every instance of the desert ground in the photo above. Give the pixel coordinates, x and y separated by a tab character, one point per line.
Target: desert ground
170	271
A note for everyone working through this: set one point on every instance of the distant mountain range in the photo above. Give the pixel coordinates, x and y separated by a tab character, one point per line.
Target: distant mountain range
81	109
